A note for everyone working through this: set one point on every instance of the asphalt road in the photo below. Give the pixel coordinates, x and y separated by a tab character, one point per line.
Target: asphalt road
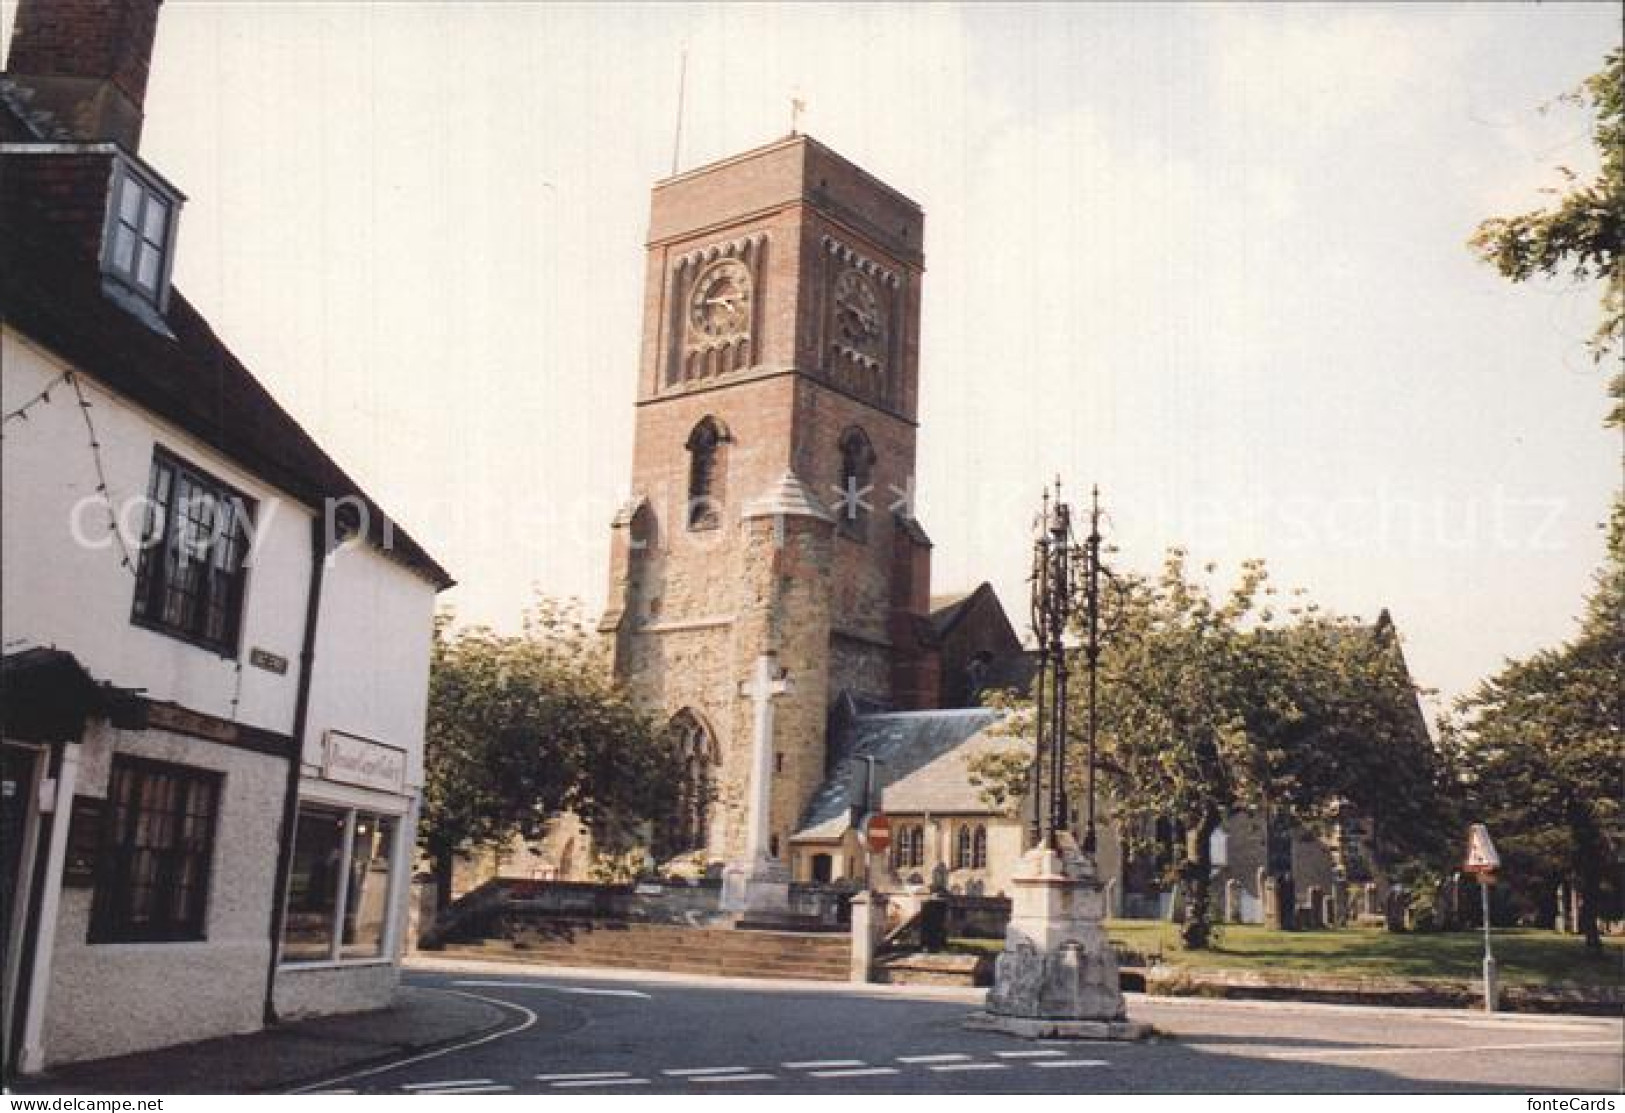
580	1031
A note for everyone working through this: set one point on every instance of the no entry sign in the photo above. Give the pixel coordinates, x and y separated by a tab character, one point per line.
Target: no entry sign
876	832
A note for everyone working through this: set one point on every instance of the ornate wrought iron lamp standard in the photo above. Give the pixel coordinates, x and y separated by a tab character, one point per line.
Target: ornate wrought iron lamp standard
1066	584
1057	976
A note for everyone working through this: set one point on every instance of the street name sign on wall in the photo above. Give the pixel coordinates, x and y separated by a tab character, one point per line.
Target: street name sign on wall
362	762
1481	855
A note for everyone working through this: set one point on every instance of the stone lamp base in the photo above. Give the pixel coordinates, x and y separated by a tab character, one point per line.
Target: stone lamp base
1057	977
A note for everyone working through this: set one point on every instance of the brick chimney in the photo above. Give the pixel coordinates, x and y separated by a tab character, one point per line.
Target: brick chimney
86	62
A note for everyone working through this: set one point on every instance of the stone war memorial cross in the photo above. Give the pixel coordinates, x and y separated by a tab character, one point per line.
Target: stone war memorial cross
759	883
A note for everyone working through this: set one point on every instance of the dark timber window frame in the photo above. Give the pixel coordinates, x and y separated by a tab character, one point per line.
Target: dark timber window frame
158	834
139	237
185	587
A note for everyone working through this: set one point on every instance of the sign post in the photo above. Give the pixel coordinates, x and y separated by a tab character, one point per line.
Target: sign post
1484	861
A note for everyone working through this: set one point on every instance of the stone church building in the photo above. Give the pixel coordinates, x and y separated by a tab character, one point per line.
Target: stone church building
773	479
772	513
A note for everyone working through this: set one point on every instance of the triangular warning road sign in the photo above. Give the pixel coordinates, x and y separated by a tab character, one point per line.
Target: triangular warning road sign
1481	855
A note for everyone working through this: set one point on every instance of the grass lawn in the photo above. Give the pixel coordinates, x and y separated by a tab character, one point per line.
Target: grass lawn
1525	956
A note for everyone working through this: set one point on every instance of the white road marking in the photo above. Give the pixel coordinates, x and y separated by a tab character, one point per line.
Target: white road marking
755	1076
955	1058
530	1020
815	1064
949	1068
694	1072
578	1083
1357	1052
1073	1063
859	1072
584	1076
1029	1054
582	991
429	1085
494	1089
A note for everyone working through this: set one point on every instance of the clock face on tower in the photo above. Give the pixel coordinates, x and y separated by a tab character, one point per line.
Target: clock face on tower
860	320
720	301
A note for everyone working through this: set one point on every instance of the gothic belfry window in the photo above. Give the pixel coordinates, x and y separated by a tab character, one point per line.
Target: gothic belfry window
707	473
856	496
690	820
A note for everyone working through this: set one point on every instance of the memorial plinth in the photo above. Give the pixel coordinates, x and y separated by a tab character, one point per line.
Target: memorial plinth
1057	976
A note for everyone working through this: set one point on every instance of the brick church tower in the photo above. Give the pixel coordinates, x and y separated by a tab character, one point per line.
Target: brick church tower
772	475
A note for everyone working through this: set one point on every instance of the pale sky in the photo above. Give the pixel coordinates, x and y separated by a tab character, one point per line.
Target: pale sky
1212	258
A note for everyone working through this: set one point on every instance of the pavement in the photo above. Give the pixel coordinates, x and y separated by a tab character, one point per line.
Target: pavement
419	1021
465	1027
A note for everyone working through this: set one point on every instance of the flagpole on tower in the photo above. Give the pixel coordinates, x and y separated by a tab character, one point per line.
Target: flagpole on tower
682	85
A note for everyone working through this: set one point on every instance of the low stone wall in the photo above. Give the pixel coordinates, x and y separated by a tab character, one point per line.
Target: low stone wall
692	903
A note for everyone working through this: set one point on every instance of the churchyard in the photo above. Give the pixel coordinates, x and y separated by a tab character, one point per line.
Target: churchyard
1526	956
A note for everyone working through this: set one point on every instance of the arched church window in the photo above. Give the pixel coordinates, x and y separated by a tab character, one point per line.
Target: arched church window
707	473
908	846
962	851
687	828
979	848
857	494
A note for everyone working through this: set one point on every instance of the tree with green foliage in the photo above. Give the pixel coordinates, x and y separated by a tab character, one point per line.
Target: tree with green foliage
1213	705
1540	744
1216	706
1583	232
523	728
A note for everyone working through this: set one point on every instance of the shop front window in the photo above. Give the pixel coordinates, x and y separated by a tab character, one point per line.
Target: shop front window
341	875
367	909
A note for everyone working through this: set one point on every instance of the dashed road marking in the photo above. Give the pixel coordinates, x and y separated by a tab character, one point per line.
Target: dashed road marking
1072	1063
754	1076
915	1059
1045	1054
453	1091
819	1064
948	1068
853	1072
584	1076
578	1083
432	1085
691	1072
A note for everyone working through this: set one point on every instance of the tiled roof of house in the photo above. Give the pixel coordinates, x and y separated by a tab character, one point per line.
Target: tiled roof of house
921	766
52	294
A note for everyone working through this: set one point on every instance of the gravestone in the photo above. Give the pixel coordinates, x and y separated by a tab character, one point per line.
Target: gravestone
1278	903
1315	910
1561	921
1114	907
1329	917
1232	901
1399	902
1372	906
1339	916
